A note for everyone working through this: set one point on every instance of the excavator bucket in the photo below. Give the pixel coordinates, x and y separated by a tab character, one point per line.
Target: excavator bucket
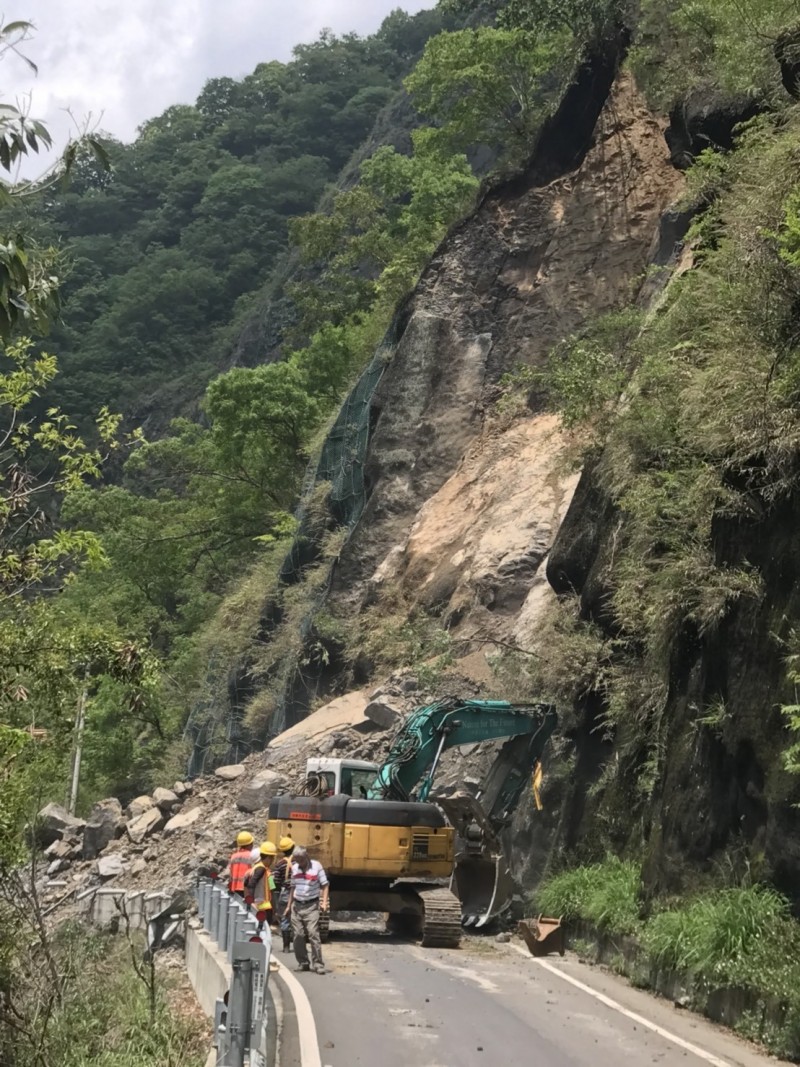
481	878
542	935
483	885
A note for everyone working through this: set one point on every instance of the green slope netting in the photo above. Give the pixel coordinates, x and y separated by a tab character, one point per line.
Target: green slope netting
215	728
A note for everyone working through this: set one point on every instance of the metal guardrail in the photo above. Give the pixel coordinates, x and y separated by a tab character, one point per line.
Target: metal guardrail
241	1018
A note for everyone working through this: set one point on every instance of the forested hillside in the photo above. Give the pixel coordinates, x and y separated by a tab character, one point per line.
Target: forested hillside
165	252
165	248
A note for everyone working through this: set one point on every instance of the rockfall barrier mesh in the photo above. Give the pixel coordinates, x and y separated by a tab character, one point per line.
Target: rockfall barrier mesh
215	727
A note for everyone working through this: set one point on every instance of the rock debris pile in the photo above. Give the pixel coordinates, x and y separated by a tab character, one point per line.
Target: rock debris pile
161	841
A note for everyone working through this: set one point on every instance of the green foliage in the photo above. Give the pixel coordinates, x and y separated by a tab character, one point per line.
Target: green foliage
791	712
29	285
789	233
197	506
45	653
687	44
562	637
739	937
605	894
587	373
590	21
168	251
378	237
101	1011
489	86
698	418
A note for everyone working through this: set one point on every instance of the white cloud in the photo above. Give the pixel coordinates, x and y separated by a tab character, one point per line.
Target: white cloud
128	60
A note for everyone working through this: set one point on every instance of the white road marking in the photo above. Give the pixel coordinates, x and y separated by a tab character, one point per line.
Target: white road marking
307	1028
616	1006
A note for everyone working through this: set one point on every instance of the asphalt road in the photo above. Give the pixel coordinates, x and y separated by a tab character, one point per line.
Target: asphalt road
388	1003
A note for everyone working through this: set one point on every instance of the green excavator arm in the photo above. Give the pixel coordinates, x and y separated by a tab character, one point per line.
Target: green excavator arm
482	877
409	768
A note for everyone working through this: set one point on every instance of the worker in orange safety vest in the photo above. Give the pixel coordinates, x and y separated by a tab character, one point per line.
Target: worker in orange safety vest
240	862
259	883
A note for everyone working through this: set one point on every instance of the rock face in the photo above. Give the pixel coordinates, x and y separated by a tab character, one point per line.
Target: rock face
787	53
464	503
722	791
144	825
257	795
706	118
53	822
101	826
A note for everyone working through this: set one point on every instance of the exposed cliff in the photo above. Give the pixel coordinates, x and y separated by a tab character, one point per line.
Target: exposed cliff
464	502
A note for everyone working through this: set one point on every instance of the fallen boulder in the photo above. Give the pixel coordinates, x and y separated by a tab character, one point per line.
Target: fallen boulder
53	822
101	826
109	866
180	790
138	806
182	821
164	798
383	714
69	847
257	795
144	825
231	772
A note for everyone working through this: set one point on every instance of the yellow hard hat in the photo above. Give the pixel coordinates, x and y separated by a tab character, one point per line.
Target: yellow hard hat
267	848
285	844
244	837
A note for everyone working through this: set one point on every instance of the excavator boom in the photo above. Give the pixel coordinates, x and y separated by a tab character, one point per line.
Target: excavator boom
481	876
429	731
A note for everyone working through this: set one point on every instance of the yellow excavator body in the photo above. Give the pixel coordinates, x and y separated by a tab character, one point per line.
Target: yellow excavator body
364	850
379	855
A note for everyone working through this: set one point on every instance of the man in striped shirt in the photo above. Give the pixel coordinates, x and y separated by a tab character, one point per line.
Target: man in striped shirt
309	892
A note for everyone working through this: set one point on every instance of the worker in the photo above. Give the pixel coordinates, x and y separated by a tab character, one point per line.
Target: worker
309	891
259	883
283	883
240	863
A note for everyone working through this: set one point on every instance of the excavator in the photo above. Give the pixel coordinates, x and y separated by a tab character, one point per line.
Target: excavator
387	847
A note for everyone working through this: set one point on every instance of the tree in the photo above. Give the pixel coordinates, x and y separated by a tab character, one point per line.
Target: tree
489	86
380	233
589	21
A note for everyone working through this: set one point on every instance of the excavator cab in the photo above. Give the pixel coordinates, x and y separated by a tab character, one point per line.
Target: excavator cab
327	777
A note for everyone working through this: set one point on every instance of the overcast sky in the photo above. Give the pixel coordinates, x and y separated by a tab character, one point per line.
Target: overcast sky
127	60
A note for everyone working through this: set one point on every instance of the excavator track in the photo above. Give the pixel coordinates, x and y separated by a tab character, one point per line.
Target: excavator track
441	924
324	927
